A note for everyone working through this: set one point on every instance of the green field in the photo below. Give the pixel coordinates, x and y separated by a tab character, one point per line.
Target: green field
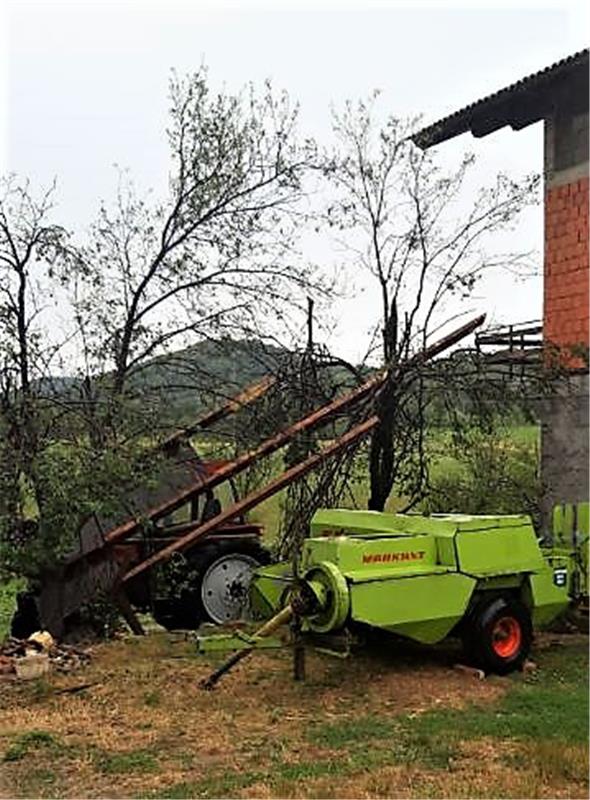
518	443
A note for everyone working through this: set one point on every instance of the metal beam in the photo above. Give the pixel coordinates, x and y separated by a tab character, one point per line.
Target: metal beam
234	404
255	498
313	420
321	415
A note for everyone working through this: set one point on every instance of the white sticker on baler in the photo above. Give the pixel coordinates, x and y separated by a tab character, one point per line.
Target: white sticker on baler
560	576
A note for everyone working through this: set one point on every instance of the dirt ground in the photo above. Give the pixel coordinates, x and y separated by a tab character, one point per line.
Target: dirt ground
384	723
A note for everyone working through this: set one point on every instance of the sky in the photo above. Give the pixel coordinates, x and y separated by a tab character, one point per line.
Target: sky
83	86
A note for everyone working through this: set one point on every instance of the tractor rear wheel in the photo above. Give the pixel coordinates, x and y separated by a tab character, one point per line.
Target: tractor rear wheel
219	591
499	635
225	584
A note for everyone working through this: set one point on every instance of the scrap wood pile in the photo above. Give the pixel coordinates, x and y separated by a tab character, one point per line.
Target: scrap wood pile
39	654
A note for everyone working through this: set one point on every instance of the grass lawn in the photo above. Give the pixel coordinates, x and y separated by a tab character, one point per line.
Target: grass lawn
393	721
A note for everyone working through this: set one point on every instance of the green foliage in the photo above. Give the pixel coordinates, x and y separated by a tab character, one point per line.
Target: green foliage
73	481
102	616
8	591
175	576
485	472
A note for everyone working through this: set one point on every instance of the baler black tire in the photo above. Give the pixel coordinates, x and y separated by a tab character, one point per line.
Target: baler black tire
187	612
498	635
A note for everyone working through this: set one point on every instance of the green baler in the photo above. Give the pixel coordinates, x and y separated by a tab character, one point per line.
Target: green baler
484	578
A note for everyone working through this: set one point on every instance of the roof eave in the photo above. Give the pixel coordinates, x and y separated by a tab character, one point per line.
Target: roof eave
519	105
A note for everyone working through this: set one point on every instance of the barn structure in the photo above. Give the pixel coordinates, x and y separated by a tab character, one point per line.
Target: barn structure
557	96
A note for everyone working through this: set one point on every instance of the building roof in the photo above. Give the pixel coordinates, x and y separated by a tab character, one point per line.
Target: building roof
518	105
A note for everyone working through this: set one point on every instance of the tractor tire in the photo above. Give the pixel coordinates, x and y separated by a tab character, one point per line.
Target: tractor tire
218	593
498	635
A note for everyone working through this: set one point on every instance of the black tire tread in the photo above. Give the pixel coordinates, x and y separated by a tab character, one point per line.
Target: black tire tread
477	640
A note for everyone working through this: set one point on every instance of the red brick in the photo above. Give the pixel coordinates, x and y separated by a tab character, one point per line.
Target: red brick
580	199
566	269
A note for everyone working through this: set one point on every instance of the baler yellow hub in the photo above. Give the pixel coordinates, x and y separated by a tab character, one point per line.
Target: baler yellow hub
332	600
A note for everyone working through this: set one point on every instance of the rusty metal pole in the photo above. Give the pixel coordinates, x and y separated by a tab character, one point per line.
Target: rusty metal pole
350	438
315	419
255	498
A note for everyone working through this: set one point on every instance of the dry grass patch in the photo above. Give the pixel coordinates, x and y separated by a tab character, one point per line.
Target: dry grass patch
367	727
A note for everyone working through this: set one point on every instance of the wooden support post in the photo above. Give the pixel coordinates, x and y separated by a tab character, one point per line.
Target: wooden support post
127	612
298	651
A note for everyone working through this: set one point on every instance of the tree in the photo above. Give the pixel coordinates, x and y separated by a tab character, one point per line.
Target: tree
215	259
30	246
398	210
51	476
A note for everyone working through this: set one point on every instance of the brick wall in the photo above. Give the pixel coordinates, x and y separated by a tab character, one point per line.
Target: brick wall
564	415
566	265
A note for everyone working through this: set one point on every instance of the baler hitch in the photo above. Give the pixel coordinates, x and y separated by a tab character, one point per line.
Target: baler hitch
267	629
303	601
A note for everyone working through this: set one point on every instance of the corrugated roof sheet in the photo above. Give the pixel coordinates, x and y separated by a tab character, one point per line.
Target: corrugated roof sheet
517	105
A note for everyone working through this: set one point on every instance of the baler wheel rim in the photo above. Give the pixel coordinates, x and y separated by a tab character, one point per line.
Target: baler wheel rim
506	637
225	587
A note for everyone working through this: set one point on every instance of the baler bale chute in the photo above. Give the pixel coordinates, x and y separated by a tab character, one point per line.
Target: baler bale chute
485	579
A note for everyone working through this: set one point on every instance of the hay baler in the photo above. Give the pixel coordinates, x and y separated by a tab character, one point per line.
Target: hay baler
483	578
